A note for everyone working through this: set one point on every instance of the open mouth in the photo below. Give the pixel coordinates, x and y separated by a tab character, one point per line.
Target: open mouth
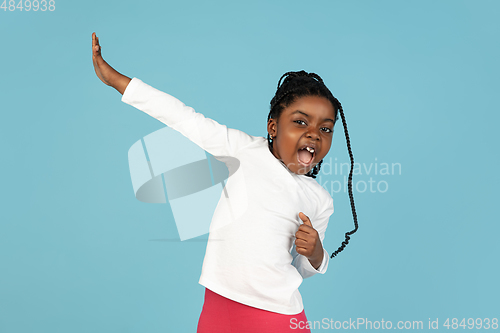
306	155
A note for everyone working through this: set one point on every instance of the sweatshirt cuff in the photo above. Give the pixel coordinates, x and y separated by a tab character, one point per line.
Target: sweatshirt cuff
130	89
324	264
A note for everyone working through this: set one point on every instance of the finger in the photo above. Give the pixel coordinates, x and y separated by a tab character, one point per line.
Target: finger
303	234
302	250
299	235
305	219
300	243
94	44
97	49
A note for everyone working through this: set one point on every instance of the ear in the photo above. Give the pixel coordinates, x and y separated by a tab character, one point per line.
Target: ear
272	127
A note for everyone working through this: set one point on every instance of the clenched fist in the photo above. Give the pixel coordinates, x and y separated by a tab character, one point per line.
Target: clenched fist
307	242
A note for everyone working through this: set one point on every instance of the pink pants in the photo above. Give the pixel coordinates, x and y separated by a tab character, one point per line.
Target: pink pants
222	315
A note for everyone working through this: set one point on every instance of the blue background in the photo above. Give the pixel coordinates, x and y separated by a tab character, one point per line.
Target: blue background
418	81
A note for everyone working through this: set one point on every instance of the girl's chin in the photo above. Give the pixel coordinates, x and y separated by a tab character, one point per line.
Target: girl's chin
301	169
298	167
304	171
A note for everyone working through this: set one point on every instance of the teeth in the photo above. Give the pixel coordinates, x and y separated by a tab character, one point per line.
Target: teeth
309	149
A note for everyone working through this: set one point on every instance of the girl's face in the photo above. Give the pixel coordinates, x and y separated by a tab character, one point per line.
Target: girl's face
308	122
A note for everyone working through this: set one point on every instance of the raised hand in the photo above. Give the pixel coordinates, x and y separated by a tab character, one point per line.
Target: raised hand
99	61
107	74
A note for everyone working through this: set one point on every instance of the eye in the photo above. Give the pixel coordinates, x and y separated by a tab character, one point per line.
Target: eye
327	130
297	121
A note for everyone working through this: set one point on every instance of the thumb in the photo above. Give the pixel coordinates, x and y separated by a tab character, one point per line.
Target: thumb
305	219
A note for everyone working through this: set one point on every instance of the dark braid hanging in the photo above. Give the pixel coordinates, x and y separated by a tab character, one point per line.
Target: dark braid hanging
349	185
298	84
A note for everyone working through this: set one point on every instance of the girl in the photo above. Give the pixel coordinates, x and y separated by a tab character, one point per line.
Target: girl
252	276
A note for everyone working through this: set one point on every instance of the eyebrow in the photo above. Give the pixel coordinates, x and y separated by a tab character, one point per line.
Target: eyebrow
305	114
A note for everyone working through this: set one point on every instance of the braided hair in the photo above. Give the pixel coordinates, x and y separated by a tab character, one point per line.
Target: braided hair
300	84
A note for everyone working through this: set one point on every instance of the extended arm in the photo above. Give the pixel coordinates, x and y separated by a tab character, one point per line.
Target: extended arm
208	134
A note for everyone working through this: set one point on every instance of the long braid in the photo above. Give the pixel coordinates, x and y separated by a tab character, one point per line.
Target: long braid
349	184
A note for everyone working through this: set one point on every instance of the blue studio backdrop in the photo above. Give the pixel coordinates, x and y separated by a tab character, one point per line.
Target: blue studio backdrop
418	81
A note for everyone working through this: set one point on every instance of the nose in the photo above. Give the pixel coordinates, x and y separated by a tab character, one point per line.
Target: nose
313	134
